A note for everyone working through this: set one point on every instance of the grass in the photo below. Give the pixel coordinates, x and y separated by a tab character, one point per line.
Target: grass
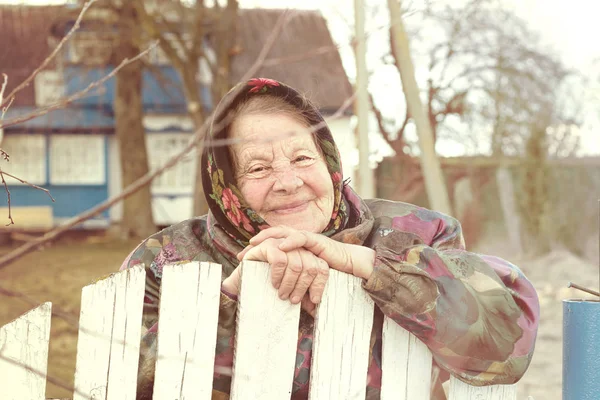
57	274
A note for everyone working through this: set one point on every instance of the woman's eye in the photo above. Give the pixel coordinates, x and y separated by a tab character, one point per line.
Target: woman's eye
257	170
302	158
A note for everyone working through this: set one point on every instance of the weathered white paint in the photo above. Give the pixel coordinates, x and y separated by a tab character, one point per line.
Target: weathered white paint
266	338
109	336
77	159
342	340
406	364
24	355
187	332
27	158
462	391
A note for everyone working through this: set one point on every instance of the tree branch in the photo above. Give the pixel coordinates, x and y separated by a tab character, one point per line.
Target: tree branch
44	63
146	179
76	96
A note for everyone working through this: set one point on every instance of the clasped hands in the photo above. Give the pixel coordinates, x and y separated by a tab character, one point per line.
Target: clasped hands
300	263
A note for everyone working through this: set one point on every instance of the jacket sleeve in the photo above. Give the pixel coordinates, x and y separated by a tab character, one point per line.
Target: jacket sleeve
477	314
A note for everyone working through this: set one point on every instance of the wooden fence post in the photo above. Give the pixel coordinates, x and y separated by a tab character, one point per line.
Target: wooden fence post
24	355
406	364
265	339
110	325
462	391
187	331
342	340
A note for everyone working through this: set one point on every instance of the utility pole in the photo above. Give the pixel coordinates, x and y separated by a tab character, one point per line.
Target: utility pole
430	165
366	183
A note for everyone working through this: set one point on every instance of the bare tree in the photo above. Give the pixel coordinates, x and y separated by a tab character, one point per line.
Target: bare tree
137	221
192	36
434	180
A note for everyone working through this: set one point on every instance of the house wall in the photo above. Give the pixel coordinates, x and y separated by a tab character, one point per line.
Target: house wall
72	167
172	192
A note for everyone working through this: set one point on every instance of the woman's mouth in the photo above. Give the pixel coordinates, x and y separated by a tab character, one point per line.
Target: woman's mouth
291	208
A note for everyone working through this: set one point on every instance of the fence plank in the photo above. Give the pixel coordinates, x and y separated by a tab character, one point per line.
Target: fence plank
342	339
462	391
187	331
24	355
265	340
406	364
109	336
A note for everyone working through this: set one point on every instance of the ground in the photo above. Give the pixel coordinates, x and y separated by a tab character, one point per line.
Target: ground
58	273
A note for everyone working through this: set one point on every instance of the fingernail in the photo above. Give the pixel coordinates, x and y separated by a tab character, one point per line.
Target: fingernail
295	299
316	299
283	296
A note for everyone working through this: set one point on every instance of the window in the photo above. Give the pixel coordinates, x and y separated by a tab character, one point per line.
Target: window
180	178
77	160
91	48
27	158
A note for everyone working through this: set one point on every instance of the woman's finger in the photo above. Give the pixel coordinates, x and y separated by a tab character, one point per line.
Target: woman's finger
317	286
291	275
308	306
275	232
310	269
269	252
278	260
241	254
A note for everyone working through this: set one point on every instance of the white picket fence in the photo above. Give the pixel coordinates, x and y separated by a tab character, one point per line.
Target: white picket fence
266	339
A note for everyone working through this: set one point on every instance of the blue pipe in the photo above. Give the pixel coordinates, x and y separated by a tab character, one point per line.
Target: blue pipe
581	350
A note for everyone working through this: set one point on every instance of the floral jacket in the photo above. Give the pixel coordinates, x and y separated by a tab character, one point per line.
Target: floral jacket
477	314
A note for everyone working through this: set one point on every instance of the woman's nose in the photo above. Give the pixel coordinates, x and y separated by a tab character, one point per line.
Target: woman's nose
287	180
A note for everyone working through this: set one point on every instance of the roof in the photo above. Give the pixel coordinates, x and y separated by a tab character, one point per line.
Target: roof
25	31
320	76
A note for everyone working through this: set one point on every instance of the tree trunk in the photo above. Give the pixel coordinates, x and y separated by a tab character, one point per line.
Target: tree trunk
137	221
434	180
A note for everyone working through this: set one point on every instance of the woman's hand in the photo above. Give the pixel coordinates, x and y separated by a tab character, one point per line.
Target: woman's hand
349	258
293	272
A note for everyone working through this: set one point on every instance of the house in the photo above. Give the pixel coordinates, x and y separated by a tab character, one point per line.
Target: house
73	151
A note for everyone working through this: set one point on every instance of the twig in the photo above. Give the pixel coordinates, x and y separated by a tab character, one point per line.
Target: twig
62	103
44	63
583	289
12	222
3	88
28	184
146	179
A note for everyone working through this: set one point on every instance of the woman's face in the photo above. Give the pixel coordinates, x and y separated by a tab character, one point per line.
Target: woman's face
283	178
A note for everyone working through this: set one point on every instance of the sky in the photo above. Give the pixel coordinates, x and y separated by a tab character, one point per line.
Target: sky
569	28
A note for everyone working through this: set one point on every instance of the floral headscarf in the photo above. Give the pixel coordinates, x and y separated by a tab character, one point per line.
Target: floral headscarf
225	201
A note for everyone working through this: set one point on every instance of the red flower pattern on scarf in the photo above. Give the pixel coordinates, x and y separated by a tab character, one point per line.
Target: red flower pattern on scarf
259	83
232	204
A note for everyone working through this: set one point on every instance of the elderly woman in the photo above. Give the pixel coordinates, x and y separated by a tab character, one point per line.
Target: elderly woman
276	194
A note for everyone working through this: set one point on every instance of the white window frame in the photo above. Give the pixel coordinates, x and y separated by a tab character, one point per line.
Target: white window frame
88	170
27	159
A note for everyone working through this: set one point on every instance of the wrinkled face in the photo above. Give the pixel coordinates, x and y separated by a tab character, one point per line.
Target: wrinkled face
283	178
